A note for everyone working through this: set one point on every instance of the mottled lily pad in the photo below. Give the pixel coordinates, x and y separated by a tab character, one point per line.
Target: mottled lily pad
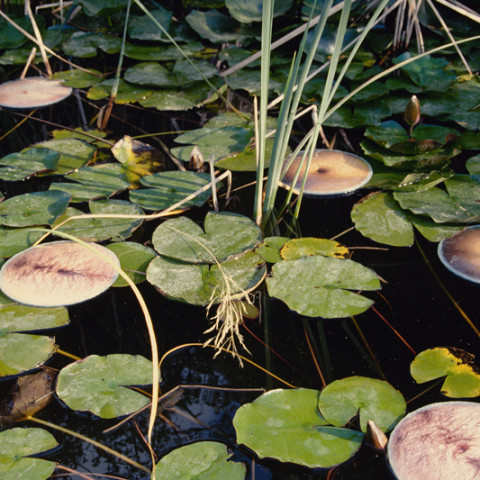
22	352
99	384
225	234
286	425
318	286
200	461
369	398
17	445
200	284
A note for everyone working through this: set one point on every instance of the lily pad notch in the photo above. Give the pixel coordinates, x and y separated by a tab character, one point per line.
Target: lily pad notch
58	273
331	172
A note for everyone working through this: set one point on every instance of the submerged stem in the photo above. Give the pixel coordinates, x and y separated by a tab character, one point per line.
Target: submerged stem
109	450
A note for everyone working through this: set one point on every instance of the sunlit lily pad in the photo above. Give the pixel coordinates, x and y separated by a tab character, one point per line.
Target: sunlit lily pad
462	378
99	384
38	208
225	234
17	445
286	425
199	461
369	398
99	229
199	284
319	286
22	352
167	188
302	247
134	260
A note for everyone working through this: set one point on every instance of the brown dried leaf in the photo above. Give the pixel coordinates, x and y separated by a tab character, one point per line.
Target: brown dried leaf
30	394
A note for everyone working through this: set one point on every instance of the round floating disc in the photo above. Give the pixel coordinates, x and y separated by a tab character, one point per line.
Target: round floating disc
331	172
32	92
438	442
460	253
57	274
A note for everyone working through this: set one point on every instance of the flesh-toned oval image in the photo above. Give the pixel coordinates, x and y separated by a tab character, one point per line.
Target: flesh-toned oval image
58	274
438	442
32	92
331	172
460	253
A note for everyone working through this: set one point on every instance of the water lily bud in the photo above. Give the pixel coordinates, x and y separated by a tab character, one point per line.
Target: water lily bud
412	111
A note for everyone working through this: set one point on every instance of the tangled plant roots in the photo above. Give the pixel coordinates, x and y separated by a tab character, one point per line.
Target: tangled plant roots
228	317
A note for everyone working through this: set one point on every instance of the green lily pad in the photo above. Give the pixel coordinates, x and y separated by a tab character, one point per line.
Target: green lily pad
167	188
127	93
77	78
200	284
18	166
22	352
86	44
214	26
319	286
143	27
370	398
462	378
16	447
156	75
14	240
173	99
134	260
225	234
302	247
100	229
151	53
38	208
440	206
428	72
73	153
99	384
286	425
270	248
251	10
379	217
200	461
96	182
92	8
219	142
473	165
